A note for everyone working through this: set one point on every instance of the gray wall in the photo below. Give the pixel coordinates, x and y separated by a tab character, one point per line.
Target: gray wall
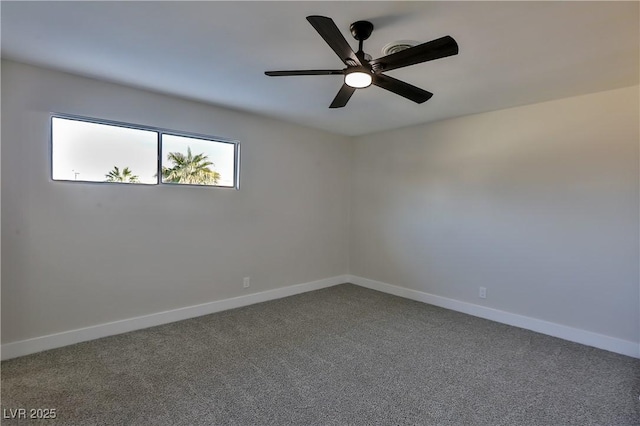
538	203
77	255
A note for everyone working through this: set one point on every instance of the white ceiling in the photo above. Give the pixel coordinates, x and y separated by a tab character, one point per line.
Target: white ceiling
511	53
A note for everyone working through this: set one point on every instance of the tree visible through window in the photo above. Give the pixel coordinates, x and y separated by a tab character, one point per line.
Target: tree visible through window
125	176
191	169
195	161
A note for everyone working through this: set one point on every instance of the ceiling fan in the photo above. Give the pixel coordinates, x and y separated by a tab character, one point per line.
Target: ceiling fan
362	71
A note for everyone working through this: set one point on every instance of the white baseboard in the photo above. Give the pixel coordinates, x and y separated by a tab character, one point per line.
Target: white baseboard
51	341
577	335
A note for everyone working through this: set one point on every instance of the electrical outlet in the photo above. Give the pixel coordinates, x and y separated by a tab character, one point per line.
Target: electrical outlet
482	293
246	282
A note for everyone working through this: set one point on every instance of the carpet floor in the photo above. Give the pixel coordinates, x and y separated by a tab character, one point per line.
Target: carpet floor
344	355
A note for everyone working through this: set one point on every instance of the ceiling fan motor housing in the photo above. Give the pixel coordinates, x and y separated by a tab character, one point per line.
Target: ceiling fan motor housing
361	30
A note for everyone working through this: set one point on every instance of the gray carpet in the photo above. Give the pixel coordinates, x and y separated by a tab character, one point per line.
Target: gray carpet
339	356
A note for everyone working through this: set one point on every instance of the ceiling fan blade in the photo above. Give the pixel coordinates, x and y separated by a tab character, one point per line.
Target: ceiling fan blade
343	96
334	38
401	88
303	72
434	49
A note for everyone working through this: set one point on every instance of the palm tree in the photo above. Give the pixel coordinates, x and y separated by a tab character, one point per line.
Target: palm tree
193	169
125	176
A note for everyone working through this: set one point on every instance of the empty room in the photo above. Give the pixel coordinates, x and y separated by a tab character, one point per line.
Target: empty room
320	213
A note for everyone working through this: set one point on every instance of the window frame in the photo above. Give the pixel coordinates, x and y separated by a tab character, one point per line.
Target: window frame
159	132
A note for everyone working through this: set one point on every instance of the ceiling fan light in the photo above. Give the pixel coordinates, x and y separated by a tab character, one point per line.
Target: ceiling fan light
358	79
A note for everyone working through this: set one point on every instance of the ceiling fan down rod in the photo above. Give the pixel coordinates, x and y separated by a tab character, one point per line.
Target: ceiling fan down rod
361	30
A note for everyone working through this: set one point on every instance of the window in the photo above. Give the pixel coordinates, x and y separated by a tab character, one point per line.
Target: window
195	161
94	152
90	150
